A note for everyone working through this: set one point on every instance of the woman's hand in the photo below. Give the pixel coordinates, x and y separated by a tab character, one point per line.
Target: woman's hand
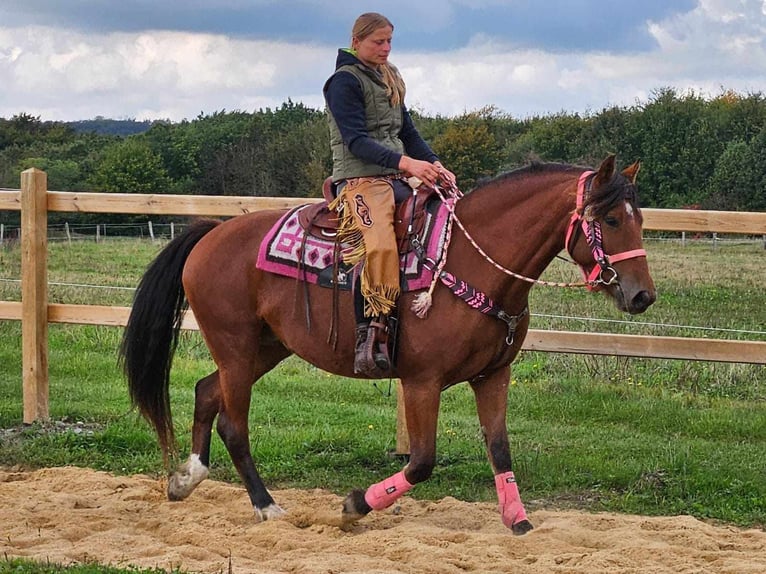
446	175
428	173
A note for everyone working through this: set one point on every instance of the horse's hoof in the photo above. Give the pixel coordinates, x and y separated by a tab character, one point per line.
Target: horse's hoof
188	476
521	527
355	507
271	512
179	486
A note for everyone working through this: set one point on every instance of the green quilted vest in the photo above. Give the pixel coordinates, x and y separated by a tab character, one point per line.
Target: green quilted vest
383	125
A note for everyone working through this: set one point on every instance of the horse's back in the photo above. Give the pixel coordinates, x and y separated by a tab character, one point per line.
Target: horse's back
221	266
234	238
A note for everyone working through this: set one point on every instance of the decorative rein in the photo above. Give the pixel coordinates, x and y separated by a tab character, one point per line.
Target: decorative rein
478	300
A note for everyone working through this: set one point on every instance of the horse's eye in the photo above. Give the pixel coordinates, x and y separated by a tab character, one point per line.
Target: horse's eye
611	221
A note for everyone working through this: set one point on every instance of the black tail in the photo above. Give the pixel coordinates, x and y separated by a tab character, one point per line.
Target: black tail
151	336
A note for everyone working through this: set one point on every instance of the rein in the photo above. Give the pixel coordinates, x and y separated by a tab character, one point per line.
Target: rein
594	279
450	204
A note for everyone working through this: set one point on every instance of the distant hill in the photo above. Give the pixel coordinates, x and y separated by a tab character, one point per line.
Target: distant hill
105	126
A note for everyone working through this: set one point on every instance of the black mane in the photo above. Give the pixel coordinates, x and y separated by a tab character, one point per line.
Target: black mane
597	202
533	167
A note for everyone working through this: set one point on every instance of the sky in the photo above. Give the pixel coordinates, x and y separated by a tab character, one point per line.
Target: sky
72	60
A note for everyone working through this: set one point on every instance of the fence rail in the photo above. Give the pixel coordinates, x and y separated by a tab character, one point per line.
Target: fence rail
34	201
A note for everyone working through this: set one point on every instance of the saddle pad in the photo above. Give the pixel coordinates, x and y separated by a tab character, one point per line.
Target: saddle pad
289	251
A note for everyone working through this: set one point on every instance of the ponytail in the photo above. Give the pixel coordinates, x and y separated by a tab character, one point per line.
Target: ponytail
395	84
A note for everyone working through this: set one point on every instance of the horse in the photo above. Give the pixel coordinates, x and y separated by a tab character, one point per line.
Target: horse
250	322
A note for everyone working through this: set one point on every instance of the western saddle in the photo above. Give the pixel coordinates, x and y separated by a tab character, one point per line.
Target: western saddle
409	216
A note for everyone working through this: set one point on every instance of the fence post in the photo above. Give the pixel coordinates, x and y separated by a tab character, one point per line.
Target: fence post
34	294
402	436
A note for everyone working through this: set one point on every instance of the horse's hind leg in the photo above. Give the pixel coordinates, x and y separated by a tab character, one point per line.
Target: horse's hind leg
206	405
236	380
226	393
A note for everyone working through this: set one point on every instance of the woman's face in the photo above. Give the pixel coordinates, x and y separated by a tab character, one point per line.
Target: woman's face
375	48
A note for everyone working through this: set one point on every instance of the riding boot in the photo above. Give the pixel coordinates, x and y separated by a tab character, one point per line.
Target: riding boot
363	361
371	355
371	351
379	333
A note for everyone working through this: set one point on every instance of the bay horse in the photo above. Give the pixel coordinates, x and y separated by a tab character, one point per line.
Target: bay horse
251	320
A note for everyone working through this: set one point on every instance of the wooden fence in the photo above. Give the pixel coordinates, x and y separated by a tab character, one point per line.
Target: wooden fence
35	201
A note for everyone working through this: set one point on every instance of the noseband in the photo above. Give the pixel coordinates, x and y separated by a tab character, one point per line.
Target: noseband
602	273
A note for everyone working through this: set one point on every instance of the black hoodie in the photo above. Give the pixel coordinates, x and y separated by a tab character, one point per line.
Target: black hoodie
345	100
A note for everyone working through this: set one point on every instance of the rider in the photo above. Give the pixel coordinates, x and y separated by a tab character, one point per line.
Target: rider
375	147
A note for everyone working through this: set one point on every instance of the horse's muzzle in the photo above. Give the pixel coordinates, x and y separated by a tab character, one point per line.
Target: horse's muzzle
641	301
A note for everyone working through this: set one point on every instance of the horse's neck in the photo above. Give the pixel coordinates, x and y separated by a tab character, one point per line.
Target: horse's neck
520	224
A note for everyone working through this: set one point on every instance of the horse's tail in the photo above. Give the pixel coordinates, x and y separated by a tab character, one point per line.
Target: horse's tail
151	336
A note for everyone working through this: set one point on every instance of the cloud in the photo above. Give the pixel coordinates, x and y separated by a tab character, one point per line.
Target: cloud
716	46
149	75
68	73
433	25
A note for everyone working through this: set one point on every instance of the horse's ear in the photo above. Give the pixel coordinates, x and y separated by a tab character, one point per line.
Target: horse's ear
605	171
632	171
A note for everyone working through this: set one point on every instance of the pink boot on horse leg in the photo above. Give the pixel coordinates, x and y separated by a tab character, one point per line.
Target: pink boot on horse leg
509	503
379	496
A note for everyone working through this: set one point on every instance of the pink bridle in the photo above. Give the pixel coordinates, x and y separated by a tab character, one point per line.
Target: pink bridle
592	230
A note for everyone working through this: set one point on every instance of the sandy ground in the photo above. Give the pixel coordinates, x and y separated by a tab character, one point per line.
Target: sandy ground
68	515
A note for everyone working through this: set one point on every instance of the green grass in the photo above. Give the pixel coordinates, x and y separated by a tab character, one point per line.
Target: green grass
29	567
628	435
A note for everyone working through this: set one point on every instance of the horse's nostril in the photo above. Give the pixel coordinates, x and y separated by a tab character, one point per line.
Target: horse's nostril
642	301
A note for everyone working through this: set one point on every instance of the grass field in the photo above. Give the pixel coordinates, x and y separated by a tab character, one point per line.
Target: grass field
629	435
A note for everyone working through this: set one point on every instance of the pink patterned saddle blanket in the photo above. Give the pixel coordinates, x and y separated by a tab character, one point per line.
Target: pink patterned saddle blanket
290	251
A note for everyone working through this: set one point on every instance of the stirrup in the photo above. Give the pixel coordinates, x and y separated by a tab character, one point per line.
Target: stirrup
371	353
379	332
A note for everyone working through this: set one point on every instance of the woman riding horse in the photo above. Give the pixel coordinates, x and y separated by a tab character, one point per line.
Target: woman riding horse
507	231
375	146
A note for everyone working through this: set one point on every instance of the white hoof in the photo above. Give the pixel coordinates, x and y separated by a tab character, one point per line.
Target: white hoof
188	476
271	512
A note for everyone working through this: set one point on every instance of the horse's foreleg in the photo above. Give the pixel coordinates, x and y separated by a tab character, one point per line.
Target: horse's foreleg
206	405
491	402
422	411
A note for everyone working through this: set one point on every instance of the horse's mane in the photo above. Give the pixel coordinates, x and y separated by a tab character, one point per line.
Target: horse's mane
534	167
597	202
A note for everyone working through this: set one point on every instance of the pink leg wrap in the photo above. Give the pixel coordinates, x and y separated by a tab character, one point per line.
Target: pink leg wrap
384	494
510	506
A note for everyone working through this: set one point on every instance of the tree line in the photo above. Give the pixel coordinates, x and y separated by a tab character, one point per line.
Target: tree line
695	151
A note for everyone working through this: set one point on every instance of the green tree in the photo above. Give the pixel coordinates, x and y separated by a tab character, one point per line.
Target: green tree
551	138
130	166
739	179
63	174
469	149
679	148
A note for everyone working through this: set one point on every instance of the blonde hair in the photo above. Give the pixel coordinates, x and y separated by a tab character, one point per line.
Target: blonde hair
365	25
